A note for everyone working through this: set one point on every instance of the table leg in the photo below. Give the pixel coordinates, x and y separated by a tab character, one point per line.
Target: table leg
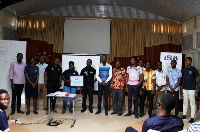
73	120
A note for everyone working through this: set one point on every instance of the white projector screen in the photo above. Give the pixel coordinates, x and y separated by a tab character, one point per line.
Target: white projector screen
86	36
80	62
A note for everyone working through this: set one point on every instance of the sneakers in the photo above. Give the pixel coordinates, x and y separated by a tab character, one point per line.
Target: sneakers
183	117
191	120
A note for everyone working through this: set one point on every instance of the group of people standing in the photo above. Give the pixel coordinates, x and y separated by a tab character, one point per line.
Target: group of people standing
139	81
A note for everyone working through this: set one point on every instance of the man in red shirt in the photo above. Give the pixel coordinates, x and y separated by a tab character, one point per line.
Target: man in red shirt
117	85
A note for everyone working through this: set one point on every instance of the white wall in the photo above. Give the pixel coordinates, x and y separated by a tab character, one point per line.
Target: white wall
188	28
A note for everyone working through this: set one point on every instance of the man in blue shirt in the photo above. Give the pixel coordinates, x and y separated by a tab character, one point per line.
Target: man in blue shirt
190	79
173	79
4	102
103	75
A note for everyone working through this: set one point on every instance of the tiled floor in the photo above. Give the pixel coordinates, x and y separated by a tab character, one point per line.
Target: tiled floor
85	122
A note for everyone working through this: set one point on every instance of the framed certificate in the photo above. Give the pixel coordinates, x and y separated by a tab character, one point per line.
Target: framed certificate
77	81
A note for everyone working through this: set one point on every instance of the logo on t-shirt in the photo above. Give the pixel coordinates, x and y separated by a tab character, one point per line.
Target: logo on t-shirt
190	72
52	68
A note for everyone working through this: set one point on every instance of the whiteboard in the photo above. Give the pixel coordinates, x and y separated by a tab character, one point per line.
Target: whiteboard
8	54
80	62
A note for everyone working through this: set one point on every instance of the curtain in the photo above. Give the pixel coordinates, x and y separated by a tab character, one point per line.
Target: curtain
129	37
151	54
43	28
36	47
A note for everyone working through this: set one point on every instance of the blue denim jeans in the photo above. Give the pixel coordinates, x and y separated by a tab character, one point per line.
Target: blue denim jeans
69	90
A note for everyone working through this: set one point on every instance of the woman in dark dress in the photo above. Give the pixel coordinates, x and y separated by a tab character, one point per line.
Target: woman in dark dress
31	86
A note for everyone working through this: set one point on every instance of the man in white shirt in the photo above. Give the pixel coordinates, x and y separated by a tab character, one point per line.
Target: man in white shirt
134	80
160	85
41	84
103	75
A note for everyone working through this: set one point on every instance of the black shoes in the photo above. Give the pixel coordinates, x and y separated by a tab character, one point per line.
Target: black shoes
12	113
91	111
106	113
120	114
136	116
97	112
28	113
83	110
128	114
70	110
141	115
35	112
19	111
114	112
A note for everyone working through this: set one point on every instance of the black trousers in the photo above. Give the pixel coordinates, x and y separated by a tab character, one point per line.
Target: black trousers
133	90
146	93
88	90
52	87
176	95
17	92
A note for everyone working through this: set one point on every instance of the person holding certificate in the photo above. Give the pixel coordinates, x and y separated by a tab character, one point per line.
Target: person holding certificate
103	75
67	88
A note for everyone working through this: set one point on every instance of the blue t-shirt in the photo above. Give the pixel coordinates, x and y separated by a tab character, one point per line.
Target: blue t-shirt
189	76
163	123
32	73
3	121
173	75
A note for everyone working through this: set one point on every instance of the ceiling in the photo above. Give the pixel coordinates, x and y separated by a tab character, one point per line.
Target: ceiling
177	10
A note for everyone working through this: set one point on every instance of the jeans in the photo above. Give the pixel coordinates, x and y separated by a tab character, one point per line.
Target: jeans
100	91
69	90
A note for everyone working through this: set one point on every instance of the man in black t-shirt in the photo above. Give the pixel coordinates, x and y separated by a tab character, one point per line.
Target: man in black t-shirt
89	73
190	79
52	78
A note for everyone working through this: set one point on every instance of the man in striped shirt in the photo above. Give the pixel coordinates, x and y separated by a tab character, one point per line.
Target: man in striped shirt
103	75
